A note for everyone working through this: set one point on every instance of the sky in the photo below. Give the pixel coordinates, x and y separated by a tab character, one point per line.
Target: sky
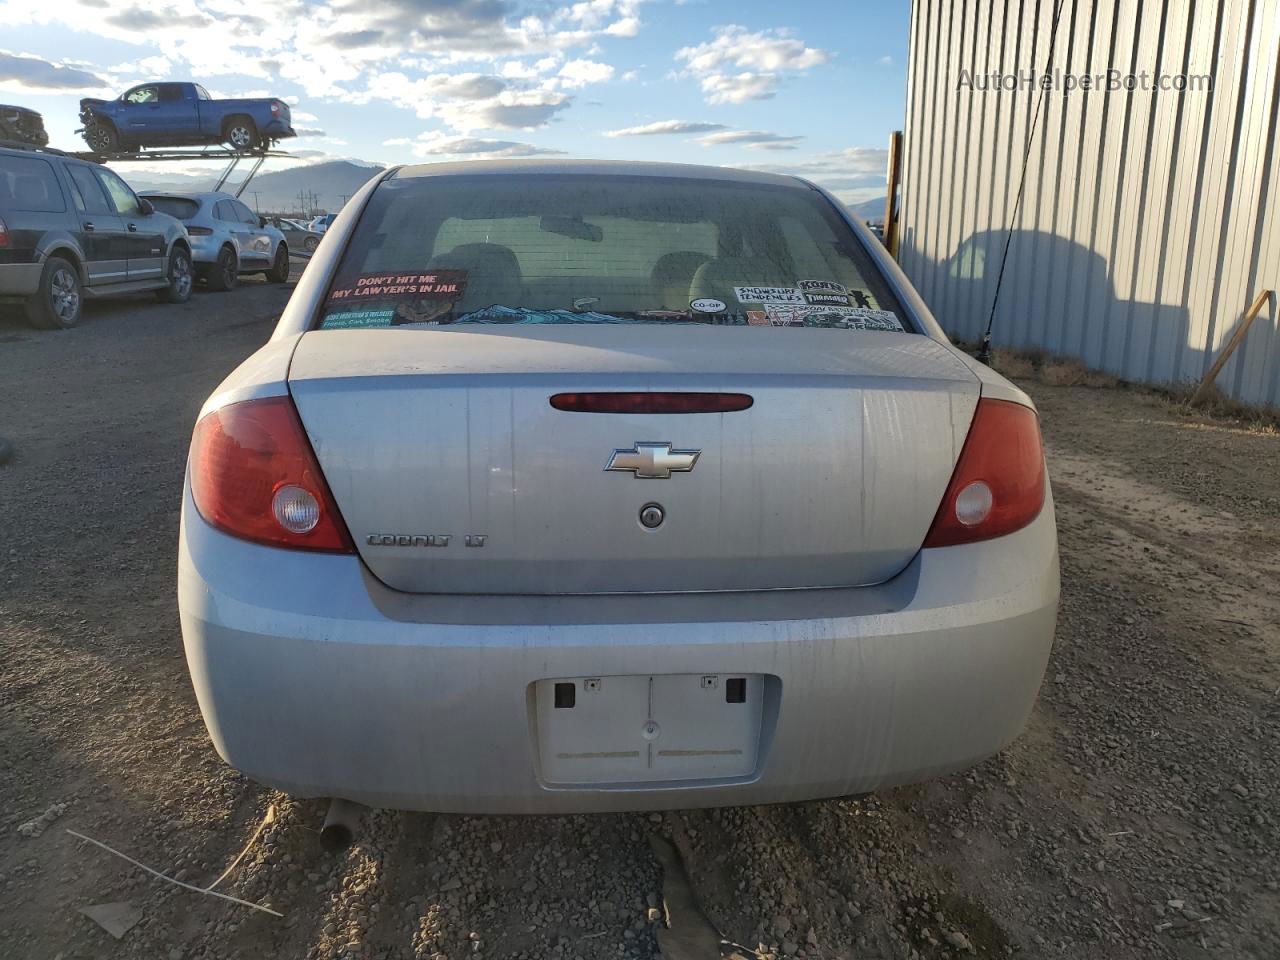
812	87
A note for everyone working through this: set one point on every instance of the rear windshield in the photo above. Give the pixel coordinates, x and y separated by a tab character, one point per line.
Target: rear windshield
549	248
29	183
178	207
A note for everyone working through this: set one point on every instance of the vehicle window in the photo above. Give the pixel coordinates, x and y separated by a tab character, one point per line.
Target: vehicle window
89	189
243	213
147	94
546	248
27	183
170	92
202	93
225	211
179	207
122	198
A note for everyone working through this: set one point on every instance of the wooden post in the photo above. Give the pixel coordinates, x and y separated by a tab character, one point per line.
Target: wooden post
891	201
1230	348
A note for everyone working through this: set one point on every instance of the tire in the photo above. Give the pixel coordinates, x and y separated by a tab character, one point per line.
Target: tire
310	244
279	272
102	137
241	134
59	302
181	278
225	273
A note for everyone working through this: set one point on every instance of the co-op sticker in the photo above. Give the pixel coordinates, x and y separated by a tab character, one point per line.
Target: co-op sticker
707	305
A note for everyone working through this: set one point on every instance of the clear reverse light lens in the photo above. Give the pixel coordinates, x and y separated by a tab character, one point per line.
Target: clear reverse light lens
973	504
296	509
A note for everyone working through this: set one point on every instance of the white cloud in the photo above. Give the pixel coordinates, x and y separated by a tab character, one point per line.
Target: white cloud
29	74
511	110
662	127
755	139
437	145
854	174
579	73
737	65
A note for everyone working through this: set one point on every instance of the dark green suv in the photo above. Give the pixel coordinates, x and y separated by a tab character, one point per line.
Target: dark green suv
72	230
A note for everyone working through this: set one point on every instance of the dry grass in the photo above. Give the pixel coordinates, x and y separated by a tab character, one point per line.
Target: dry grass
1056	371
1218	406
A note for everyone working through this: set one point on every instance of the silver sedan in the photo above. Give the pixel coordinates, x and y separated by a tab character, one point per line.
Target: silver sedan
576	486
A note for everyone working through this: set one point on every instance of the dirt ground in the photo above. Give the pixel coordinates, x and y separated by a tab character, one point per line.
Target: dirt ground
1139	815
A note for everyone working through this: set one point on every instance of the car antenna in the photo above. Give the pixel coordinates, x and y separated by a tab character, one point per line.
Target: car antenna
984	348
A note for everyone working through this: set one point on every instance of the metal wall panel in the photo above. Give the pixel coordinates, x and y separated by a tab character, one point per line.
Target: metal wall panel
1149	219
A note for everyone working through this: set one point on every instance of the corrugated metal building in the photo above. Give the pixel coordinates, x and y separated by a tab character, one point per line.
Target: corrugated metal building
1149	219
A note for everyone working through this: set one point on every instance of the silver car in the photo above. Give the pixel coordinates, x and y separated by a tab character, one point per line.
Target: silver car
297	233
228	240
581	486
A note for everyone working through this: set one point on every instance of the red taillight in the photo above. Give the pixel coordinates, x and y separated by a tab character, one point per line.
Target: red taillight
4	234
275	106
199	231
998	484
651	402
254	476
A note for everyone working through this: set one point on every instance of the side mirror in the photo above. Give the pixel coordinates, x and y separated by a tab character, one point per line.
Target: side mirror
145	206
264	222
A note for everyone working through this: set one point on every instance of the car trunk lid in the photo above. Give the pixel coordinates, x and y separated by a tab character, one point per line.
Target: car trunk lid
455	474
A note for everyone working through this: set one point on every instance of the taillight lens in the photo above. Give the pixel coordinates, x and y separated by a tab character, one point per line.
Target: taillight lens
998	484
199	231
254	476
4	234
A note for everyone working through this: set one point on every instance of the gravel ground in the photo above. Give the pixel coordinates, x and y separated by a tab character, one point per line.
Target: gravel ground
1139	815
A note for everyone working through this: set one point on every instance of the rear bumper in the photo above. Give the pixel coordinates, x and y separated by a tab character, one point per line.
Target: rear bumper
20	279
316	679
205	249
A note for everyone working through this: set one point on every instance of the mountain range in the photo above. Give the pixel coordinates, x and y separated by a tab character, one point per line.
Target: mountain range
317	187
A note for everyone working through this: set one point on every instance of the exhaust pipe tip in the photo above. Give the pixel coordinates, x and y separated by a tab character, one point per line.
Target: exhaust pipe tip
340	823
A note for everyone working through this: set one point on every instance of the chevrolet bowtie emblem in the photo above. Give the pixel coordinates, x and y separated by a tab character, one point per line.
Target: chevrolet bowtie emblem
653	461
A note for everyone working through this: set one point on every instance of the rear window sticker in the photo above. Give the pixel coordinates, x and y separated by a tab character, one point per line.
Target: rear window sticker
500	314
769	295
864	299
847	318
438	285
707	305
357	318
421	312
824	292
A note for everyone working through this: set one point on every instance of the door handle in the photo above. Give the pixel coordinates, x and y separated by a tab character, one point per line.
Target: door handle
133	228
87	226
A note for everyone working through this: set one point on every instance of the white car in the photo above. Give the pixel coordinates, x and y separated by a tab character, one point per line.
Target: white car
228	240
575	486
321	223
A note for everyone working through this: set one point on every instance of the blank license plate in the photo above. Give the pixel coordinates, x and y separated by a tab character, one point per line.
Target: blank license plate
649	728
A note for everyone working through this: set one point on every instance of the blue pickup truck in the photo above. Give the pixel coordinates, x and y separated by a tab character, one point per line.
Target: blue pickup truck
178	115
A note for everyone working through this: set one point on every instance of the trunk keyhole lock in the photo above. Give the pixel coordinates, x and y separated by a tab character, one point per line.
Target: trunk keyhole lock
652	515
